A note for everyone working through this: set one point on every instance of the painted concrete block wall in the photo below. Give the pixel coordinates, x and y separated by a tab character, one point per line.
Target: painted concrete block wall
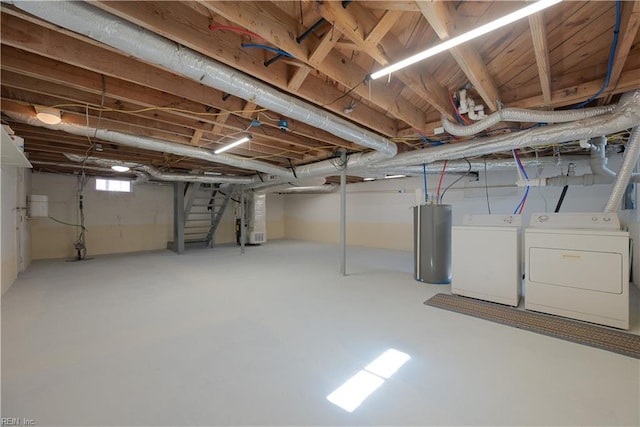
9	249
115	222
379	213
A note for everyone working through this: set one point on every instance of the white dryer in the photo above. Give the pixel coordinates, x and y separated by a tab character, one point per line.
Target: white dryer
577	266
486	258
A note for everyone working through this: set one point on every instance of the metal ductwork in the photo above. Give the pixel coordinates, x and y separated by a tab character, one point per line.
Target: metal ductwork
159	175
142	44
626	115
524	116
140	176
152	144
461	166
147	46
317	189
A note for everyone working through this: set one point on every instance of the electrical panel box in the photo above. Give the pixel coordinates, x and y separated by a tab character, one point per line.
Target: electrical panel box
486	260
38	206
579	273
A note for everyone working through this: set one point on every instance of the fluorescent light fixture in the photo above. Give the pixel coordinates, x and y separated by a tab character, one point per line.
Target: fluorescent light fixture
233	144
463	38
368	179
387	363
120	168
353	392
48	115
395	176
357	388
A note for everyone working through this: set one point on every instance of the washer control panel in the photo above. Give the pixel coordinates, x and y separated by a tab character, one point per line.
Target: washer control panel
492	220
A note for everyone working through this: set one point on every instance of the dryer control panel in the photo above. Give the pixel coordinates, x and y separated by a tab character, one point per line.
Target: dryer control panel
586	220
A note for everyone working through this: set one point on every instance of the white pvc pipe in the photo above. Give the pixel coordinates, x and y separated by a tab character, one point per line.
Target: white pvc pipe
524	116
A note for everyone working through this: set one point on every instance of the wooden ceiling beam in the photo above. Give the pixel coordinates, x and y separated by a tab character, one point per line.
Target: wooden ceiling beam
382	27
49	70
327	42
422	84
628	31
130	127
277	27
629	80
442	16
399	5
192	30
156	84
541	50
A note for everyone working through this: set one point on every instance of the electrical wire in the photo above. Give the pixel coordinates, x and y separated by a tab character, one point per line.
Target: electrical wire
269	48
268	117
612	54
424	174
344	95
65	223
486	186
444	168
520	207
457	180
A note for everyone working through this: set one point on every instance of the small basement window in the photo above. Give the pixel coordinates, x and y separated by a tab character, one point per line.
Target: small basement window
113	185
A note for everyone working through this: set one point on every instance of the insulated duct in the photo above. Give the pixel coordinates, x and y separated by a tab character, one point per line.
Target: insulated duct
631	155
147	46
461	166
140	176
162	176
318	189
151	144
524	116
626	115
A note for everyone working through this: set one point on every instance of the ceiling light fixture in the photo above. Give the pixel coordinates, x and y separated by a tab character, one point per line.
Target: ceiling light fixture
120	168
368	179
233	144
463	38
395	176
48	115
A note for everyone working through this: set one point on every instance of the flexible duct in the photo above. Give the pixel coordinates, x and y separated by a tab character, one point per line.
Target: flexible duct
318	189
162	176
147	46
462	166
626	115
524	116
152	48
151	144
140	176
631	155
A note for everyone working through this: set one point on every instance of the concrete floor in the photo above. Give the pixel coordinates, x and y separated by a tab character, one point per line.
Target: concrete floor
212	337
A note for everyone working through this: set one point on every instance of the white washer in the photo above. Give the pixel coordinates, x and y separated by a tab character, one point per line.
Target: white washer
577	266
486	258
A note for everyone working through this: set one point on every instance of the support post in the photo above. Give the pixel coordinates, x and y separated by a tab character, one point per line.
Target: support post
242	230
178	217
343	214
